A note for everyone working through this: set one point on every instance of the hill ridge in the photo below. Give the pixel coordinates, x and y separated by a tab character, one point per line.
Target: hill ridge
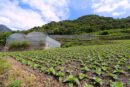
4	28
84	24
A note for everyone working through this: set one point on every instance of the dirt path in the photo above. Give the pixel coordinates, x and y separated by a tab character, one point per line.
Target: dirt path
29	77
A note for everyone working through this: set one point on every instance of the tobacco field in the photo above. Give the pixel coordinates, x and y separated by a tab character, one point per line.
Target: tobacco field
84	66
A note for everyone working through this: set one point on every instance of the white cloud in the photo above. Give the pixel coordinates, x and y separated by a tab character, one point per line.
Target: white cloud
118	13
39	13
51	10
112	7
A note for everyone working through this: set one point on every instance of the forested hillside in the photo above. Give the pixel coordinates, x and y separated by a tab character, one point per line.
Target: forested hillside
84	24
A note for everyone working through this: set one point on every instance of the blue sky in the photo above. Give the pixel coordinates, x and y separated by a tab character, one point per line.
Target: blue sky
25	14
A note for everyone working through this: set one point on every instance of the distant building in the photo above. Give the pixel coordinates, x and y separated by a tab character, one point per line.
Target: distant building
35	39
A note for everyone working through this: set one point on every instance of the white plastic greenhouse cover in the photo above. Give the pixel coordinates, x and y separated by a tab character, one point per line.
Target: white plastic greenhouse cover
36	38
17	37
52	43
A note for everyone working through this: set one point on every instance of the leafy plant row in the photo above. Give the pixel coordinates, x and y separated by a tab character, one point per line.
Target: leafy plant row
91	66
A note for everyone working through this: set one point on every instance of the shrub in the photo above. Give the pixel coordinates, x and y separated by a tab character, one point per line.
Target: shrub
19	45
104	33
3	36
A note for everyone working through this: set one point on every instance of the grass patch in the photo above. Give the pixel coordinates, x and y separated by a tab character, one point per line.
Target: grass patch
4	66
15	83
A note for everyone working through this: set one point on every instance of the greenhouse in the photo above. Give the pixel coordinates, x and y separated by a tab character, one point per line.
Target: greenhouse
35	40
51	43
17	37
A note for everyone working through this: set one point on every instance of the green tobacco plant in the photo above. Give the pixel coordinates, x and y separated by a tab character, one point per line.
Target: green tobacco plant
85	69
36	66
81	76
97	81
88	85
51	71
128	67
93	66
119	71
97	61
117	84
72	80
24	61
117	67
104	68
98	71
43	69
60	75
113	76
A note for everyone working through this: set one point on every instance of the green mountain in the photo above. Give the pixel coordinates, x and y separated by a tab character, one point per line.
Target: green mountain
84	24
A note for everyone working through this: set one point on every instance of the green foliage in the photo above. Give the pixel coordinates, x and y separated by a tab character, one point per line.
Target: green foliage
128	83
119	71
97	81
85	69
36	66
98	71
113	76
17	45
15	83
128	67
3	36
117	84
104	68
51	71
75	64
71	80
84	24
81	76
104	33
60	75
88	85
